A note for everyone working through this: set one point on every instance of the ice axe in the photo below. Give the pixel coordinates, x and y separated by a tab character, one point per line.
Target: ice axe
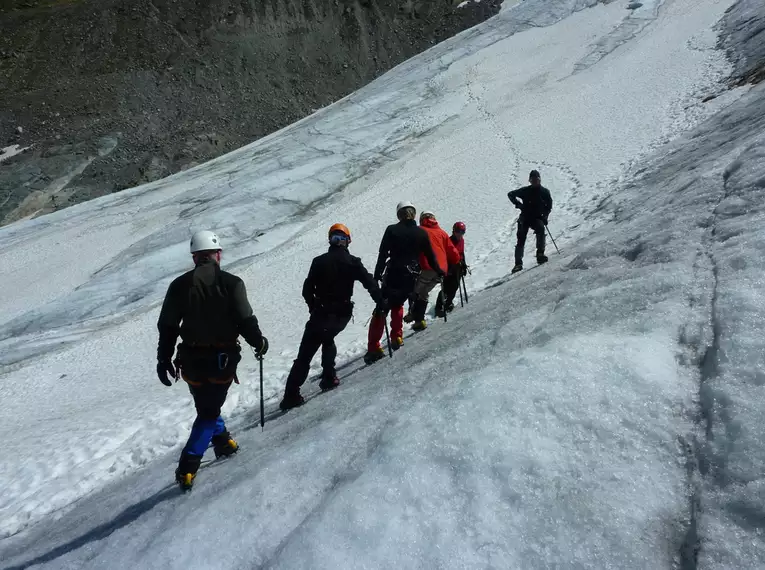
387	335
552	238
262	400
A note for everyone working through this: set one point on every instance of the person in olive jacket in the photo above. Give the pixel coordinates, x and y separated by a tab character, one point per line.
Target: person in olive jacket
208	308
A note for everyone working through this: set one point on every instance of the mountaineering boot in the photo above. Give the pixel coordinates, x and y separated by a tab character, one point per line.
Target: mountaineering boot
440	311
291	400
518	267
396	342
330	383
408	318
374	355
449	307
418	312
224	445
187	471
185	480
541	257
419	326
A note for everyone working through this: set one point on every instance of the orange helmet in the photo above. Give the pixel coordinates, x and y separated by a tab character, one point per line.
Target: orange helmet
341	229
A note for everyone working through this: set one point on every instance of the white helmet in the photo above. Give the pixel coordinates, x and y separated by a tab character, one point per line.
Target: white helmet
426	213
402	205
205	241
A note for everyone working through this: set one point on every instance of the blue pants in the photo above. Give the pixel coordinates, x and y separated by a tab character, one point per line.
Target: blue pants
201	435
208	399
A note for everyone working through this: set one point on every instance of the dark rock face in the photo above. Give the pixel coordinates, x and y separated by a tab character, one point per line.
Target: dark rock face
743	35
109	94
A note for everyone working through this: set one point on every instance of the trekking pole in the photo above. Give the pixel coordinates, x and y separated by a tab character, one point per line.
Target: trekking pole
552	238
387	335
262	404
462	303
465	287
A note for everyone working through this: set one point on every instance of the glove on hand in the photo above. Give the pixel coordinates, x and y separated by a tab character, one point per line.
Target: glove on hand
261	351
382	308
163	367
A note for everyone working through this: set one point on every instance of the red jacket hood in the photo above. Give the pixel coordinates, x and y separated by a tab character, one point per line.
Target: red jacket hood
443	248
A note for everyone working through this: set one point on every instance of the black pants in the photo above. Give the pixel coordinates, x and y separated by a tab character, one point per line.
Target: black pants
320	331
209	399
209	372
451	286
398	285
524	224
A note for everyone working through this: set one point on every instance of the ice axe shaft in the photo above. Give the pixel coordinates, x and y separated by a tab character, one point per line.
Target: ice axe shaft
262	400
387	335
552	238
259	357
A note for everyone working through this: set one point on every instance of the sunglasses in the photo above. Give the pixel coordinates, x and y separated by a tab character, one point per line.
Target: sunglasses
461	232
338	239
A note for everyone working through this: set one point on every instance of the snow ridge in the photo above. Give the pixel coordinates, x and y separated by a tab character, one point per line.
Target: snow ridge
634	23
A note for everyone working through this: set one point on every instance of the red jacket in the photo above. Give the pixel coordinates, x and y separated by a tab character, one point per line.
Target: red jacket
443	248
459	243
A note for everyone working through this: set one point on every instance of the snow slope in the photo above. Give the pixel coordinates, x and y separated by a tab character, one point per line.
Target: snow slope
553	424
9	151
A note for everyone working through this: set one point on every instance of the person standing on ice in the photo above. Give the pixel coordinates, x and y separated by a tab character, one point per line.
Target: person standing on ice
456	272
535	208
209	309
327	291
446	255
398	258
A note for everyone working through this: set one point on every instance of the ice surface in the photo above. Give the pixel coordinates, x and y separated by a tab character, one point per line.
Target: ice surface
558	422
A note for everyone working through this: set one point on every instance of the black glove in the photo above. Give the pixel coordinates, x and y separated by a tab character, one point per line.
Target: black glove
464	269
261	351
382	308
544	219
163	367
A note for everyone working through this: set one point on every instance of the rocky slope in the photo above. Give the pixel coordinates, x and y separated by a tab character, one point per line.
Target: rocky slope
108	94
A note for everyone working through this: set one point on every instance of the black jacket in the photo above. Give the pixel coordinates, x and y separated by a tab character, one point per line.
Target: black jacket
401	246
329	285
537	202
206	307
